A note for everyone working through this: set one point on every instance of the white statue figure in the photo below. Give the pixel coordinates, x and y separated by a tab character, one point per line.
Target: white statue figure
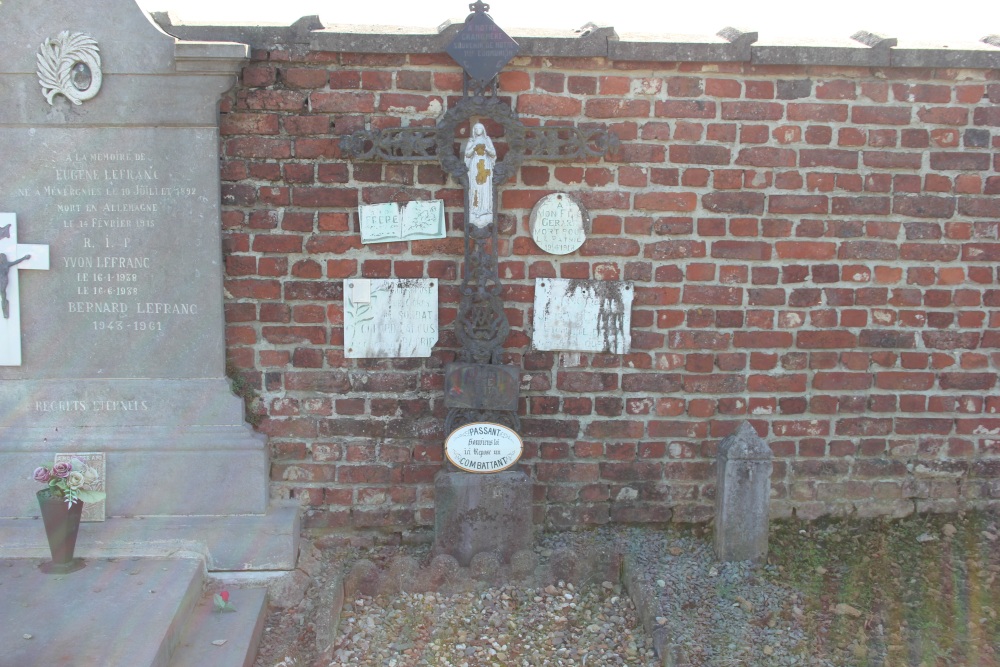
480	156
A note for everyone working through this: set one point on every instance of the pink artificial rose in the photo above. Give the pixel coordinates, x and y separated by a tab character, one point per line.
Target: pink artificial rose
62	469
224	595
42	475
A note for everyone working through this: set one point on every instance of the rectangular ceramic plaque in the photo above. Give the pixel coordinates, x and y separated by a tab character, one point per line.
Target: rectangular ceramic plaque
583	315
390	318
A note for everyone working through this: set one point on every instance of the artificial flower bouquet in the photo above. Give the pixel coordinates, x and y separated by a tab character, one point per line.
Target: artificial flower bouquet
72	482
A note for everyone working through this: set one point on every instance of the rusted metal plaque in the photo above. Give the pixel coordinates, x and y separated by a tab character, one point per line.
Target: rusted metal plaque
482	48
481	387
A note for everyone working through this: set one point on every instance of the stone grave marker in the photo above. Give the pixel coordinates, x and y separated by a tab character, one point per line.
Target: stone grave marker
109	129
559	224
742	496
583	315
390	318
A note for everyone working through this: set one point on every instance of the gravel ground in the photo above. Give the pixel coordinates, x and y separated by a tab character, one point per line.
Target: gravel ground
922	592
715	613
505	625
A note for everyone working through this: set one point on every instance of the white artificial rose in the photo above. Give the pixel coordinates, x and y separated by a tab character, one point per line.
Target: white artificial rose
75	480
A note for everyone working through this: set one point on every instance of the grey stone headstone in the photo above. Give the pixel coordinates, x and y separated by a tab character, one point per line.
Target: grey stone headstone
122	339
742	496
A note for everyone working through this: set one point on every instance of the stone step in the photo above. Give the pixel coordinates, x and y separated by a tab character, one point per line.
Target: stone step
223	639
264	542
114	612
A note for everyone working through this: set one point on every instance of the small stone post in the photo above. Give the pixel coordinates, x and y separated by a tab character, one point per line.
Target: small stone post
742	495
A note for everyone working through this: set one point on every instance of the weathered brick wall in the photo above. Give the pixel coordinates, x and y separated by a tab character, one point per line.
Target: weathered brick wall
813	249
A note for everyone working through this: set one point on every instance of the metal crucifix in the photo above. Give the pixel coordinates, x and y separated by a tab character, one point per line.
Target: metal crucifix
479	388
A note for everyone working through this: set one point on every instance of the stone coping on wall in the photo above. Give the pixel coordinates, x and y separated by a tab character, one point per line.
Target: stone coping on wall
862	49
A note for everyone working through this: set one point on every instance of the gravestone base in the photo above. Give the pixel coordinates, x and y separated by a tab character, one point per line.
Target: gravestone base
267	542
475	513
191	453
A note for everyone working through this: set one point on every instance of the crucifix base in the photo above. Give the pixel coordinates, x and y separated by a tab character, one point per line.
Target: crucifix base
475	513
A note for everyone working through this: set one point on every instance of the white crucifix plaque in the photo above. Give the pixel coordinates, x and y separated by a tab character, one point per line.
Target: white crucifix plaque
14	256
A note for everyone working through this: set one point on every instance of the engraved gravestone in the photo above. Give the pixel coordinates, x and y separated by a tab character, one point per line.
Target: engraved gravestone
110	159
583	315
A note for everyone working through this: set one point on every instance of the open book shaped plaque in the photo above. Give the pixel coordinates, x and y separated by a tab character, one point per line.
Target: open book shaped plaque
382	223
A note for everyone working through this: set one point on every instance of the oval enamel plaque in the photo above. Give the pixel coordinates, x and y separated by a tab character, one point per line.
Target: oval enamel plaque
483	447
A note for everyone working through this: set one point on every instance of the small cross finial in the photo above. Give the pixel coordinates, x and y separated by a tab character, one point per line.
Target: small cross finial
479	7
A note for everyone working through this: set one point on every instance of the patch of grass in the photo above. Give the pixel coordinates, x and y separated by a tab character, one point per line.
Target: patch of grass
927	595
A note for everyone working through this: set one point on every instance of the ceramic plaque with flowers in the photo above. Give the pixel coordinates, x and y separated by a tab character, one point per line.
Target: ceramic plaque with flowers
72	480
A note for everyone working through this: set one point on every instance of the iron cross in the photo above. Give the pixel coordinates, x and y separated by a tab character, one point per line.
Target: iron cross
479	388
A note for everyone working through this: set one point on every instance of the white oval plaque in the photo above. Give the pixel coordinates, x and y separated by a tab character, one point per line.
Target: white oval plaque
483	447
559	224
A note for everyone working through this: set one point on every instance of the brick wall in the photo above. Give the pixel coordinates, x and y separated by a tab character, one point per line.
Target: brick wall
814	249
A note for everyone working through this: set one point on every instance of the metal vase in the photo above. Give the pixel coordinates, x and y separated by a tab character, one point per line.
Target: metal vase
62	524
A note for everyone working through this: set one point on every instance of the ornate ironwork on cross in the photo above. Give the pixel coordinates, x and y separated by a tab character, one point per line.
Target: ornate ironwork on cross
479	388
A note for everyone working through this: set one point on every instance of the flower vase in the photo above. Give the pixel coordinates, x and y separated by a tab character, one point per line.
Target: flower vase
62	524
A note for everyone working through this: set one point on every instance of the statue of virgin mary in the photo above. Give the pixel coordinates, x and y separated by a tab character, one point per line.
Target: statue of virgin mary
480	157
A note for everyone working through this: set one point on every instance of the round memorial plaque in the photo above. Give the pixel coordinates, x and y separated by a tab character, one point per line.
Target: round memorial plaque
559	224
483	447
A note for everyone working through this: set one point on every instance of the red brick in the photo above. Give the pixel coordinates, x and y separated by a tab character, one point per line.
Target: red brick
841	381
813	340
685	109
823	113
723	88
710	295
745	250
615	108
752	111
688	154
548	105
805	250
798	204
960	161
766	156
675	250
342	102
881	115
984	115
861	205
943	115
745	203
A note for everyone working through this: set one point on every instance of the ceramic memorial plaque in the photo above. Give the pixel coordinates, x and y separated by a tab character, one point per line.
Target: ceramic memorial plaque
382	223
390	318
583	315
483	447
559	224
